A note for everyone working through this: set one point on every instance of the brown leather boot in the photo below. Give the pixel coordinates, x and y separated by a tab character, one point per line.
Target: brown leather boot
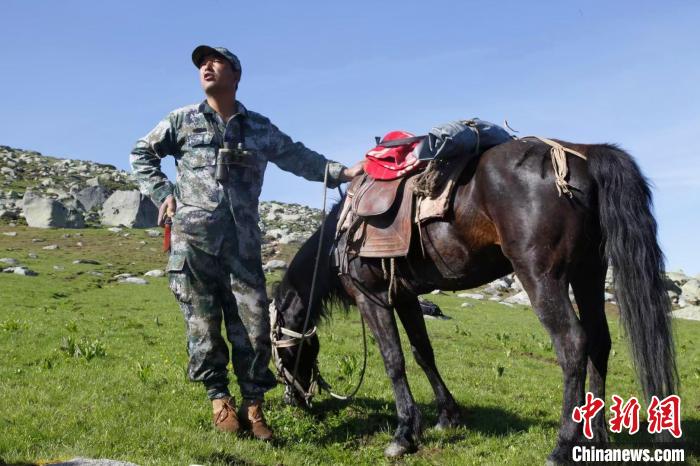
252	418
225	418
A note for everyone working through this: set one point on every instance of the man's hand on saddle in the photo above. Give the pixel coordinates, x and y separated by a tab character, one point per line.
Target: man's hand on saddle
349	173
167	210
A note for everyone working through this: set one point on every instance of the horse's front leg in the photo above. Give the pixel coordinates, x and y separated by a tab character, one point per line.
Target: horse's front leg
382	323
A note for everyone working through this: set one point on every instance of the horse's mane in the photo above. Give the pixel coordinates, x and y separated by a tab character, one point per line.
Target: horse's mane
296	282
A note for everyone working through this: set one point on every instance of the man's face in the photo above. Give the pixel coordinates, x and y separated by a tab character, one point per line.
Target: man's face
216	75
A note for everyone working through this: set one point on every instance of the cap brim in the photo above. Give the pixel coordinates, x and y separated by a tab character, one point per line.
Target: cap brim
202	51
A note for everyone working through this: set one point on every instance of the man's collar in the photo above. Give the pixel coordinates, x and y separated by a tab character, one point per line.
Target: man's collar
204	107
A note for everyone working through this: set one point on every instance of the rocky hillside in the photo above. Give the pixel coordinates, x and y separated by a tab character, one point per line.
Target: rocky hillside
45	192
49	192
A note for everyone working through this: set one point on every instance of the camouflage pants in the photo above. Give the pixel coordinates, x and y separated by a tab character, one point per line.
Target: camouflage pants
214	283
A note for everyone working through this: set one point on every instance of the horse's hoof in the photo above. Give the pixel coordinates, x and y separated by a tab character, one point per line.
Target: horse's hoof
448	422
397	450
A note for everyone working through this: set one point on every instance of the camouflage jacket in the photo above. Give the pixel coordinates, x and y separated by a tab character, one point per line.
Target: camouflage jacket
192	135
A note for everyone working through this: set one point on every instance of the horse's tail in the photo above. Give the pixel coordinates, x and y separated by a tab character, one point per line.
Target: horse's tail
631	248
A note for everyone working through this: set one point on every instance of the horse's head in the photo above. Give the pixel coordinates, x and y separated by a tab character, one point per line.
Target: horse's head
294	351
308	289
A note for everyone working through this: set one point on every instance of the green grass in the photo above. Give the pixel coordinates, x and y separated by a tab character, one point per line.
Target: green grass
94	368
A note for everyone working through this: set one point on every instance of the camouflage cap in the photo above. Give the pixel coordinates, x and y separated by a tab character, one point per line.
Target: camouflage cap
203	50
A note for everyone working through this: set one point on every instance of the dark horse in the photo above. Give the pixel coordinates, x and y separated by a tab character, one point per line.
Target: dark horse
506	215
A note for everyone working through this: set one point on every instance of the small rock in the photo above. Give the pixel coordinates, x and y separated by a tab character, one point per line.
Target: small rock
51	247
8	215
31	255
431	310
20	271
58	267
466	305
153	233
471	295
274	264
86	261
38	240
95	273
436	292
122	276
497	286
154	273
9	261
134	281
10	233
91	462
114	229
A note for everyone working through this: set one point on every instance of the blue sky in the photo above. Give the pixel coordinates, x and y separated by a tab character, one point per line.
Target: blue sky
85	79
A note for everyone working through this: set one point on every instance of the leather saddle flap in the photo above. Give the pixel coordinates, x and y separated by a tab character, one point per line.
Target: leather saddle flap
375	197
389	235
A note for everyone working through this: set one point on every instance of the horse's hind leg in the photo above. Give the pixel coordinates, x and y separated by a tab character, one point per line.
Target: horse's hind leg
382	323
409	311
588	282
548	291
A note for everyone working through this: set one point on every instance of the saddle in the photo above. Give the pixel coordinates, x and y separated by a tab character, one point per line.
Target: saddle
382	216
379	214
409	179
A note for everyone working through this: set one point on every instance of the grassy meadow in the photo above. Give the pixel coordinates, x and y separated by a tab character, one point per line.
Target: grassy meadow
94	368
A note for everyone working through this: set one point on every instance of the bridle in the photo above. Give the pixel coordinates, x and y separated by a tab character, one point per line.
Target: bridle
295	338
317	382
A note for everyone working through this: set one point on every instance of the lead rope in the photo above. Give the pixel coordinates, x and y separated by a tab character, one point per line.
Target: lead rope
324	385
559	163
313	278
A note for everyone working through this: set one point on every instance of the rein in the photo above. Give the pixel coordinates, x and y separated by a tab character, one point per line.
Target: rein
317	383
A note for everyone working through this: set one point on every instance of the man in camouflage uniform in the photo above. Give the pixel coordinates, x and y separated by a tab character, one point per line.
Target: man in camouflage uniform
215	261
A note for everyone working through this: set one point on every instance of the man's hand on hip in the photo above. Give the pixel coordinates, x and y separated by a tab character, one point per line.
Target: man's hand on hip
167	209
349	173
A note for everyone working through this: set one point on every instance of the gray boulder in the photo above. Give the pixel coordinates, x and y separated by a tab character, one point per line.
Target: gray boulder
130	209
520	298
49	213
93	197
678	277
688	313
690	291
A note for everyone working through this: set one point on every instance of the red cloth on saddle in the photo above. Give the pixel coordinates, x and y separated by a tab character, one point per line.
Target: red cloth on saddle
389	163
